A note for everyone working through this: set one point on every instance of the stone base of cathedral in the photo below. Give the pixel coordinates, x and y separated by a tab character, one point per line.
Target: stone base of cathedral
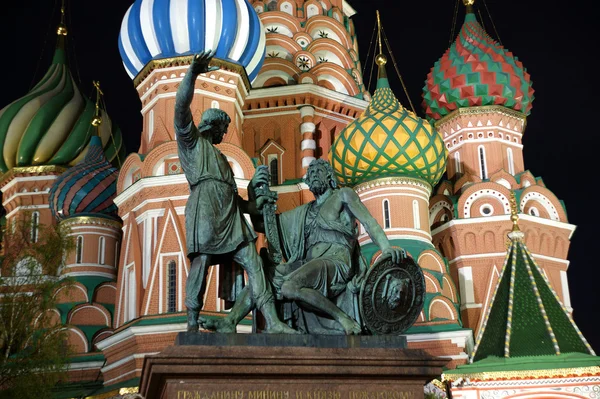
264	366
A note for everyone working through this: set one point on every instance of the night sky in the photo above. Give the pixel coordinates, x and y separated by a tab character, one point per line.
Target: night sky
553	42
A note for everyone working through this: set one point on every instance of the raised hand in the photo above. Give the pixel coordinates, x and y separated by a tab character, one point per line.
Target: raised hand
201	61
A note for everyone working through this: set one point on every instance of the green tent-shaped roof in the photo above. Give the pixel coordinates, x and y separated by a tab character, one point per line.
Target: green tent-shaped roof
526	317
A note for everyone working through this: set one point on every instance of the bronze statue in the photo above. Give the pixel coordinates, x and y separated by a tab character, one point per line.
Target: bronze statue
324	267
216	230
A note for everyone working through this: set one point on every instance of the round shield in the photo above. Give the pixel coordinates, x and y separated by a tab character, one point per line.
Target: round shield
392	296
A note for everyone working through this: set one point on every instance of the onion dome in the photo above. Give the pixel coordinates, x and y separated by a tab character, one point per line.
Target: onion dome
50	125
476	71
387	140
87	188
155	29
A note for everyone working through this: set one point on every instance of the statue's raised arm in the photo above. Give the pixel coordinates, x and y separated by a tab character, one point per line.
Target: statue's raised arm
185	94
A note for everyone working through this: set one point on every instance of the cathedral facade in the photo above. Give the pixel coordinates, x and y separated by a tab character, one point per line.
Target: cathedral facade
290	79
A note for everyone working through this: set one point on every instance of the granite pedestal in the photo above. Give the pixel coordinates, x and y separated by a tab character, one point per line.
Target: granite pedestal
264	366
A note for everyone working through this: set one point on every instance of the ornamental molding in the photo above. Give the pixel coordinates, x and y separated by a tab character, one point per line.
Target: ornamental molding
186	61
308	90
485	109
91	220
574	375
30	171
390	181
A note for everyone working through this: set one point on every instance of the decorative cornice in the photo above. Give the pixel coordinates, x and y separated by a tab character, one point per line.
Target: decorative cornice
486	109
524	374
19	171
388	181
92	220
185	61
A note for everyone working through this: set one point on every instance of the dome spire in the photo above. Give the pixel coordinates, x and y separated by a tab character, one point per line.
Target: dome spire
62	27
381	59
97	121
469	5
61	32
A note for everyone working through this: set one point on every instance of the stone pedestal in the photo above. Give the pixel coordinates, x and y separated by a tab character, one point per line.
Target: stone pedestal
263	366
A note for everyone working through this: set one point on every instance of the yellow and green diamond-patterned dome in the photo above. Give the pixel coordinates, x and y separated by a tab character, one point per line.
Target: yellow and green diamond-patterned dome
387	140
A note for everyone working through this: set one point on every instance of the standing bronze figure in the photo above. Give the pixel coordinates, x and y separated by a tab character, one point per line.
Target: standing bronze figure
216	230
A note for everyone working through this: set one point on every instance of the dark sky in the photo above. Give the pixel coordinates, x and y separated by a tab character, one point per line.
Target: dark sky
553	42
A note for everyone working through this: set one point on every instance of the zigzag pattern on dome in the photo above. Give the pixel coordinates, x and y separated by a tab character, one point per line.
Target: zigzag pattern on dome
157	29
476	71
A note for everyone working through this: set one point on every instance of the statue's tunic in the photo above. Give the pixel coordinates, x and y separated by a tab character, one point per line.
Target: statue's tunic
214	223
340	260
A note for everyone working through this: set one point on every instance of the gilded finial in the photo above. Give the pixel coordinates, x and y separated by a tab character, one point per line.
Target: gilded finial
62	27
97	121
380	59
469	5
514	212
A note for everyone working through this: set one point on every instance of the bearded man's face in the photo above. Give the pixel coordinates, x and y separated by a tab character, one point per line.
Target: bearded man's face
318	180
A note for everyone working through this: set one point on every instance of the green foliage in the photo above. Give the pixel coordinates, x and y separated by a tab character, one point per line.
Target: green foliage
33	350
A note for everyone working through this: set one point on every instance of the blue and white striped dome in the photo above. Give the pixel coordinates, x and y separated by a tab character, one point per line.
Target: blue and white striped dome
154	29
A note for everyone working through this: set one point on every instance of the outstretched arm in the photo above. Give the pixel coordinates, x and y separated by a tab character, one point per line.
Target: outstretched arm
374	230
185	92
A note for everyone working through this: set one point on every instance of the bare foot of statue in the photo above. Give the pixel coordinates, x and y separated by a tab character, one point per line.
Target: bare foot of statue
220	325
278	327
351	327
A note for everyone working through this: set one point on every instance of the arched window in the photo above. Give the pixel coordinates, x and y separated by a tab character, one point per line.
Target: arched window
312	10
101	249
35	226
172	287
274	170
215	104
416	217
79	250
482	163
511	162
386	214
457	165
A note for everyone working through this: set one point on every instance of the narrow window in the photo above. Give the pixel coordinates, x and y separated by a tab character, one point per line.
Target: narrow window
150	124
79	250
511	162
274	170
457	162
416	218
386	214
215	104
131	294
482	165
172	288
117	249
35	226
101	249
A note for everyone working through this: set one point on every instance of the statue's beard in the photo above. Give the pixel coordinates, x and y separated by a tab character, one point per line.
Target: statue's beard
318	187
218	138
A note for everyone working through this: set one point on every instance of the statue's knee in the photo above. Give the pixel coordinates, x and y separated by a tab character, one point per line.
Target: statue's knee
289	290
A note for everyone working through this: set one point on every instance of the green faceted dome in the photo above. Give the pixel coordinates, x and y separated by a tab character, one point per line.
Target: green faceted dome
388	140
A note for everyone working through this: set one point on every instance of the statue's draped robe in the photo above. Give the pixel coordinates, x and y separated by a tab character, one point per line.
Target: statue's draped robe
293	225
214	223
